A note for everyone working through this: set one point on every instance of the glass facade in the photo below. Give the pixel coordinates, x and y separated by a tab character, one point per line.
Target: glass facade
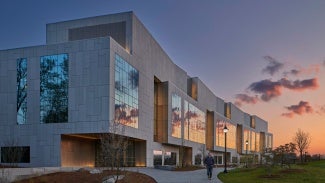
231	135
246	138
170	158
21	90
126	93
176	116
257	142
253	139
157	157
269	141
54	84
194	123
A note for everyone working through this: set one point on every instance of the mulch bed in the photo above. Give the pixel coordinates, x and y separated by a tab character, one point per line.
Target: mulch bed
86	177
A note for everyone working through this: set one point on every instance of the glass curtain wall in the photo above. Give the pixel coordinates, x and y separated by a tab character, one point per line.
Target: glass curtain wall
231	135
54	74
194	123
21	90
176	116
126	93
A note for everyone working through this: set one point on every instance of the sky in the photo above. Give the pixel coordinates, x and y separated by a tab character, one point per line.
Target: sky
268	57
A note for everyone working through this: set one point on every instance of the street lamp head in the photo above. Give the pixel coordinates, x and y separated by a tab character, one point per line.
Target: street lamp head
246	142
225	129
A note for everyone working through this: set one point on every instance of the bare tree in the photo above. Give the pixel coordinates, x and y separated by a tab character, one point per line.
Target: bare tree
114	147
302	140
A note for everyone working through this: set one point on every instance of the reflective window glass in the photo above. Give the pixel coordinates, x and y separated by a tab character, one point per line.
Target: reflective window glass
54	74
176	116
21	90
126	93
220	135
194	123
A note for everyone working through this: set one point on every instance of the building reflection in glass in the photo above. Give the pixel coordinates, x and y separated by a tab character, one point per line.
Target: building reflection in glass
194	123
220	136
176	116
126	93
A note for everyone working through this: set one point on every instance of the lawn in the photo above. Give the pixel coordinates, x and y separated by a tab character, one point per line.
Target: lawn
311	172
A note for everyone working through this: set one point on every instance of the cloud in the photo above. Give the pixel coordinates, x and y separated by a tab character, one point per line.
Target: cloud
273	66
324	63
320	110
267	88
300	85
271	89
311	69
302	108
244	98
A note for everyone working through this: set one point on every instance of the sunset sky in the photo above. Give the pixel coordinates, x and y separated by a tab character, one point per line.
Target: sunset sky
268	56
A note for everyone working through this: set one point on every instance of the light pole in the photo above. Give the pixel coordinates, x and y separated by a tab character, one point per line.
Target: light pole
225	130
246	152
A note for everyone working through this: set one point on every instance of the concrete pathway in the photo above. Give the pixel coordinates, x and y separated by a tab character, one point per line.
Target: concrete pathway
165	176
161	176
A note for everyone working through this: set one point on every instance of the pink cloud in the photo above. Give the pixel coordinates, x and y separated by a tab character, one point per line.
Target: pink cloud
302	108
244	98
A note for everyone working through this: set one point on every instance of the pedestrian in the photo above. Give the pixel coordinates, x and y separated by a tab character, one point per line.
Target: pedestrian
209	163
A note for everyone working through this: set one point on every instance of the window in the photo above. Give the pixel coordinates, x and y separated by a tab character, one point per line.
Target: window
54	88
126	93
231	134
21	90
17	154
252	122
157	157
170	158
194	123
228	110
176	116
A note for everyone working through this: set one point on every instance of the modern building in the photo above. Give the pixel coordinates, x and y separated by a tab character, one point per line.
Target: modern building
57	99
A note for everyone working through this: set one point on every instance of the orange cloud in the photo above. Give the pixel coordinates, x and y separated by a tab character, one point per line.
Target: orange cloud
300	85
301	108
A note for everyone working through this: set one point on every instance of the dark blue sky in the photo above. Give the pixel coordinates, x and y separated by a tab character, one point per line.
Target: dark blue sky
222	42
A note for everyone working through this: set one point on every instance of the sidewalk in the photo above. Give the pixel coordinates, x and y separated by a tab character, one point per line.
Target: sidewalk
165	176
161	176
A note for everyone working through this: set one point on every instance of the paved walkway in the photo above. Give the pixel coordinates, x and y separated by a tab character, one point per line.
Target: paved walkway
165	176
161	176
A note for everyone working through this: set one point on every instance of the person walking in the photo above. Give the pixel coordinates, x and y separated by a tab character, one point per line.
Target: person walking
209	163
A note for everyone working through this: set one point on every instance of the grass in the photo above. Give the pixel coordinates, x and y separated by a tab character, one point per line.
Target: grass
313	172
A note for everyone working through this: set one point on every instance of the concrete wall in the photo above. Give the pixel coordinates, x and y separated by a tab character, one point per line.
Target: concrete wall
88	97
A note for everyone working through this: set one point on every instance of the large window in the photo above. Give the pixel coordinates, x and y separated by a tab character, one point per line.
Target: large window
176	116
269	141
231	134
54	73
17	154
126	93
253	139
157	157
21	90
246	138
194	123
